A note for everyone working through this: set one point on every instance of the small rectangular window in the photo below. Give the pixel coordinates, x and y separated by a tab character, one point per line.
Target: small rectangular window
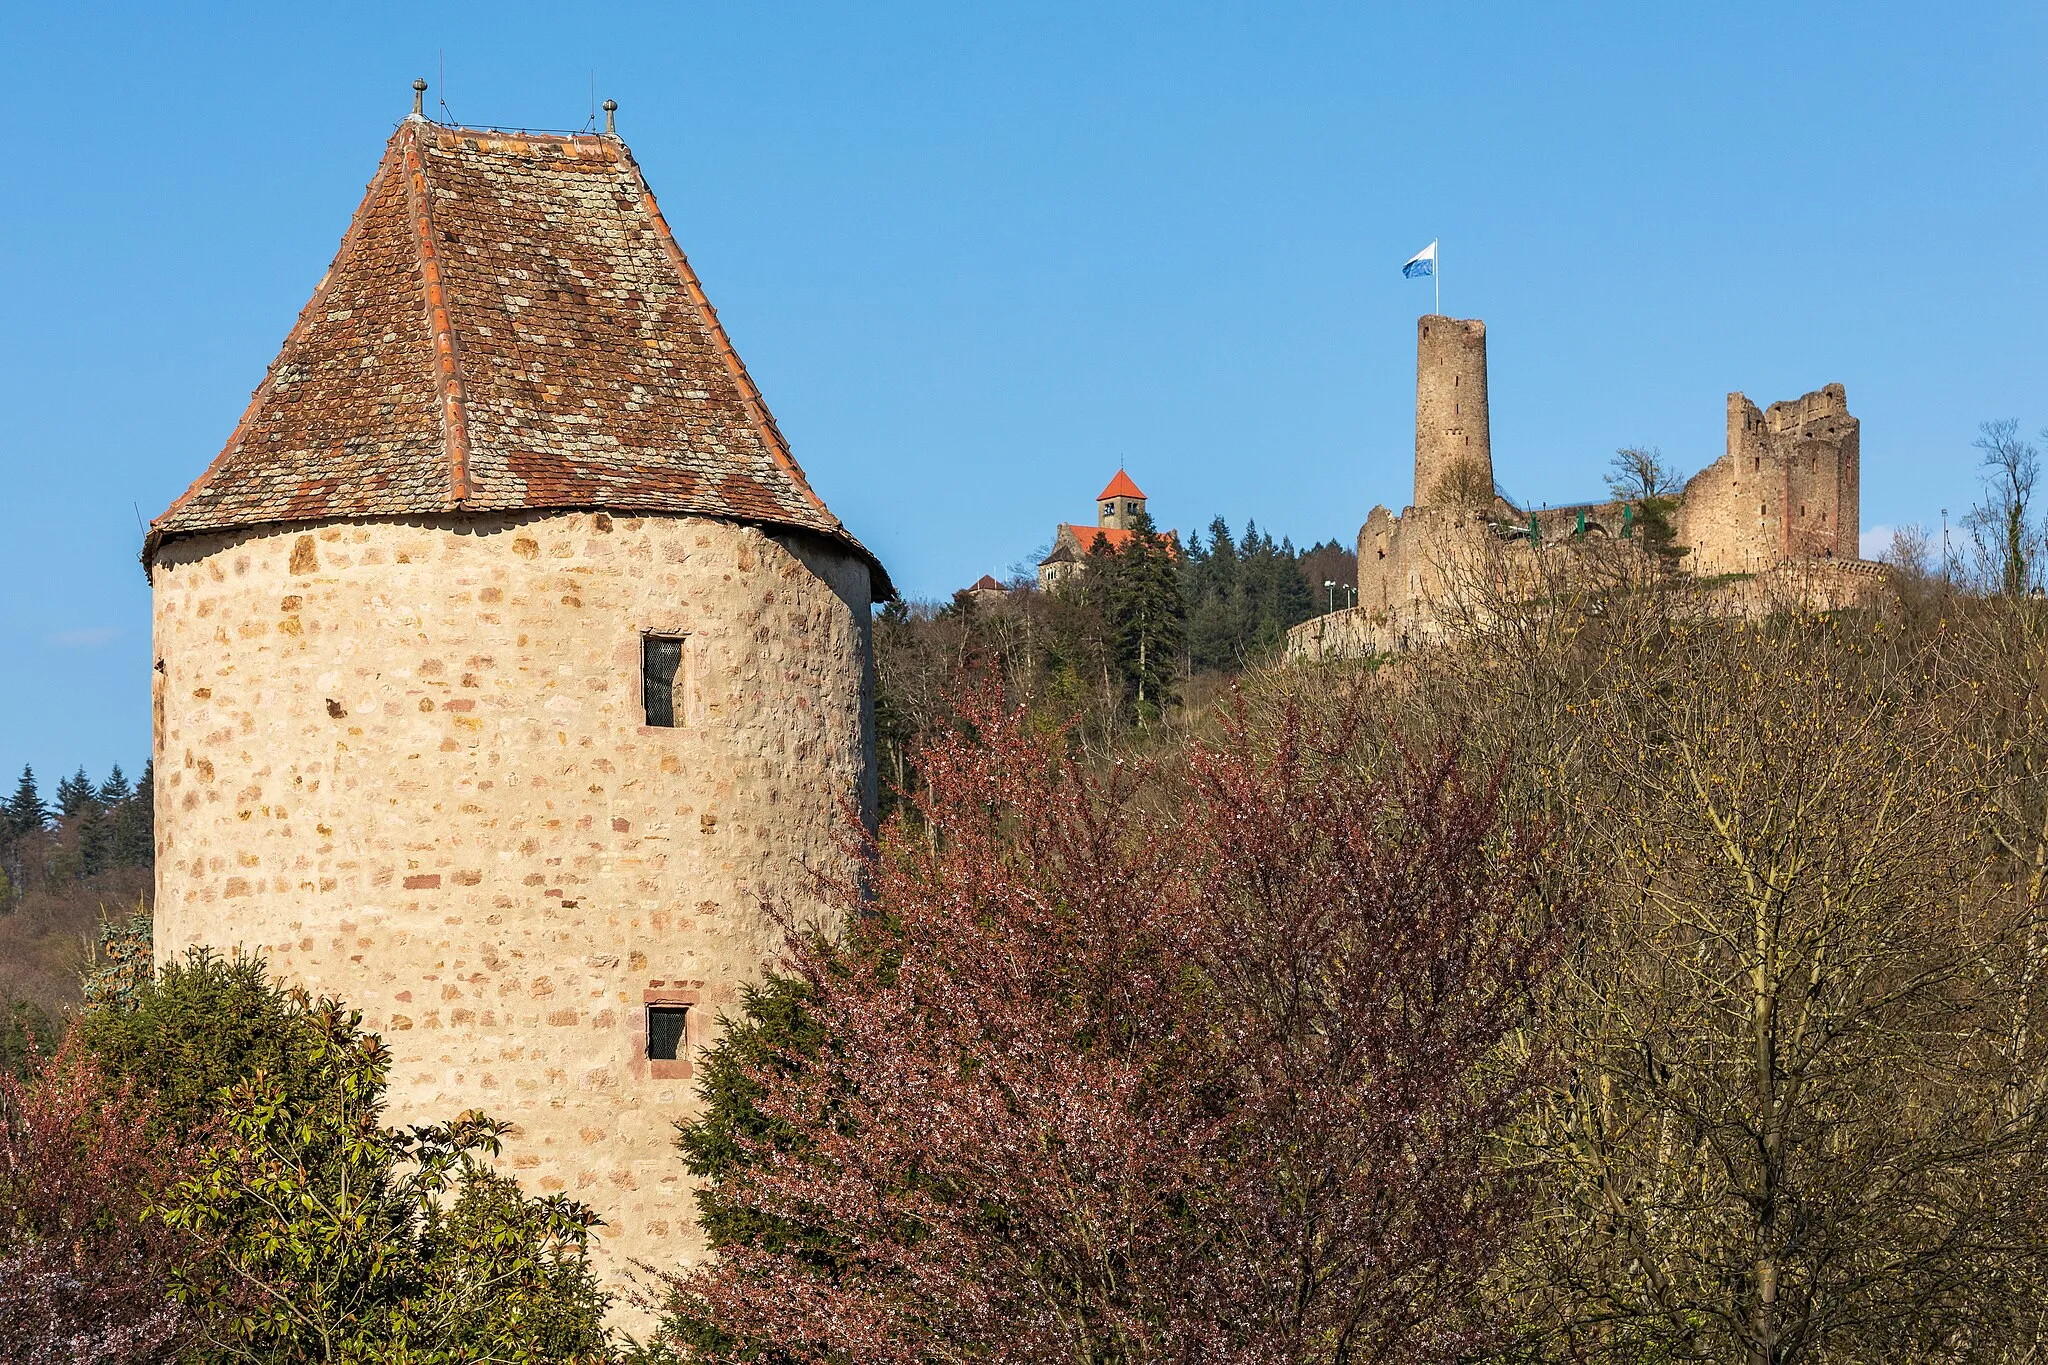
661	661
665	1032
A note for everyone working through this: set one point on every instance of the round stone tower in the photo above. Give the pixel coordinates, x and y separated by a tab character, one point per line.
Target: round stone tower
1453	445
506	665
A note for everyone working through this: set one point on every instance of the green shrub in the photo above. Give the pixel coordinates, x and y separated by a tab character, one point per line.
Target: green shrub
196	1028
318	1232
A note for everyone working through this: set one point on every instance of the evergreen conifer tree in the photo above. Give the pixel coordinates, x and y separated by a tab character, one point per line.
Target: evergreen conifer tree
1148	617
135	824
1217	572
26	812
1242	595
95	851
1211	579
75	794
115	789
1292	603
1258	613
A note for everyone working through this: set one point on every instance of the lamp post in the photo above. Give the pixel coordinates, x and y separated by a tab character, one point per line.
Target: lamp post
1330	587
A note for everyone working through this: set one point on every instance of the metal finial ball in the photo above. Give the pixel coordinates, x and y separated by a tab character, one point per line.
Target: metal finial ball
419	83
611	106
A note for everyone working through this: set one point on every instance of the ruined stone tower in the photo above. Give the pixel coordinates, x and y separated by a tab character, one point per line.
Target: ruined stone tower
1453	445
506	664
1788	485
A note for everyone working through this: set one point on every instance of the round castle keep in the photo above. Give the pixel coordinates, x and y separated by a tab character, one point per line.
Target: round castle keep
506	664
1453	443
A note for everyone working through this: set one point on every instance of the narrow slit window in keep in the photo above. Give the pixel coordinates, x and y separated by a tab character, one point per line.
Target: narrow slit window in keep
661	660
665	1032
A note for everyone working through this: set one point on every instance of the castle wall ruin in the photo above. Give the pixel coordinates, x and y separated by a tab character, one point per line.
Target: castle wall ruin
1787	484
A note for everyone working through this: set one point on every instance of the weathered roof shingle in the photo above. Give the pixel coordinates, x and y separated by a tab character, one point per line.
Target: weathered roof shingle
509	324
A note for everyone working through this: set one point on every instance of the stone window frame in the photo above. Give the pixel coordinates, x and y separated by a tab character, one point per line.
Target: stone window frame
632	658
693	1032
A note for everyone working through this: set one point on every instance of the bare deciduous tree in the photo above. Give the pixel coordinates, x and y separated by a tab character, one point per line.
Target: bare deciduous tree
1911	551
1465	483
1785	1130
1638	473
2004	532
1802	1116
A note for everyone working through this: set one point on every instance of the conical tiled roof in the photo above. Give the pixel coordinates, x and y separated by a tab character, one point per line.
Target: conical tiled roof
1120	487
509	325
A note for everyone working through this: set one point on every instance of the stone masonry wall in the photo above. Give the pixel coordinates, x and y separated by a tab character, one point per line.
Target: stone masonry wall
1453	435
1787	484
407	763
1406	560
1796	584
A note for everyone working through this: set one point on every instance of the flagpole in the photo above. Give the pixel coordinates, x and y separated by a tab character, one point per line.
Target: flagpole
1437	276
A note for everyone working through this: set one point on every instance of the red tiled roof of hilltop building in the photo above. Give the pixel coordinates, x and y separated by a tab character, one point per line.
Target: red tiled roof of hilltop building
1114	537
1120	487
509	325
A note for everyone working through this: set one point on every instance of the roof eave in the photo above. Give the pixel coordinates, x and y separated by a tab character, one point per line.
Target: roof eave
881	588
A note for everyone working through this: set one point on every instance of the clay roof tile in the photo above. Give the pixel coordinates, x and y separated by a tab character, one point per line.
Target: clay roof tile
509	324
1120	487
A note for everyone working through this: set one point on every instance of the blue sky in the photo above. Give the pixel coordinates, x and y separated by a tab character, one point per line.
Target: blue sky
976	254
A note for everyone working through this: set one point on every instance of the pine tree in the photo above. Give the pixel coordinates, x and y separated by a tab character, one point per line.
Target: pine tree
115	789
95	832
75	794
26	813
135	824
1210	578
1217	574
1292	603
1259	628
1148	617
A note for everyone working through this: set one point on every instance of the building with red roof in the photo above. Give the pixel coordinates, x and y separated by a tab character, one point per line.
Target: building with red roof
1117	509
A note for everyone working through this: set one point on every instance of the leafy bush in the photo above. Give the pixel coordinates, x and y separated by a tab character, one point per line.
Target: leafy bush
324	1234
27	1034
308	1230
193	1029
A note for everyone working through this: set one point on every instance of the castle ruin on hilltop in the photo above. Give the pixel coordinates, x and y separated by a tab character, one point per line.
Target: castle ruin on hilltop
1776	517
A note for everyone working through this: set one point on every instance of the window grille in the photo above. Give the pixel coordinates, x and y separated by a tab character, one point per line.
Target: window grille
665	1032
661	659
